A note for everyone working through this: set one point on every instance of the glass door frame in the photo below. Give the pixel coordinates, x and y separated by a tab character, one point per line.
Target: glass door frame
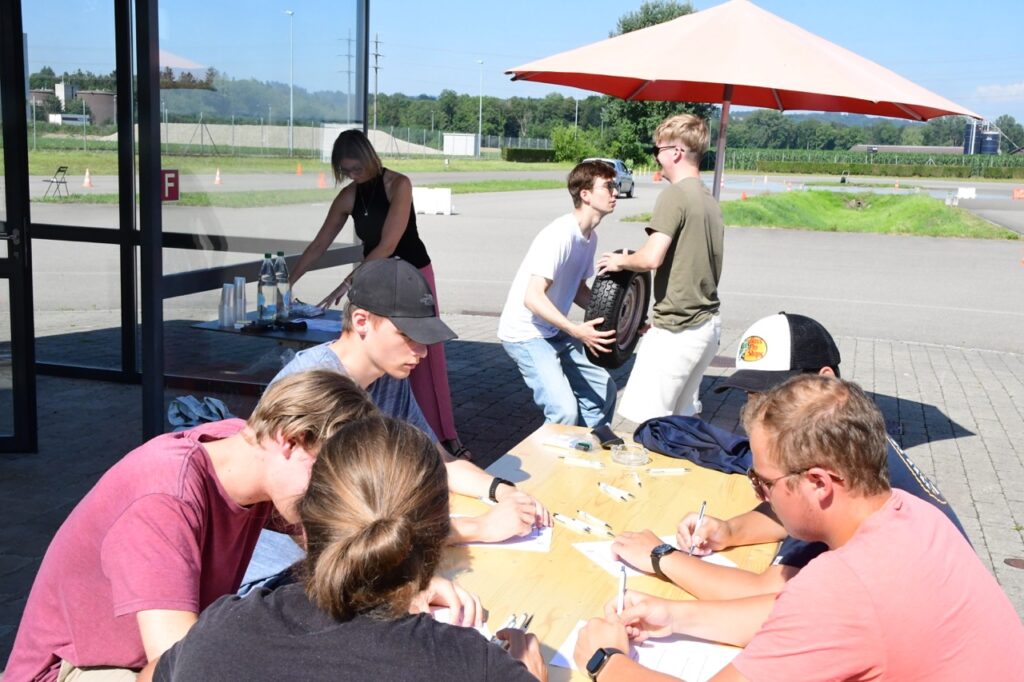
16	267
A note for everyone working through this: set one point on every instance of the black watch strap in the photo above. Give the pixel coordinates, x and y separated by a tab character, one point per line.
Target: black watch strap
657	554
493	492
599	660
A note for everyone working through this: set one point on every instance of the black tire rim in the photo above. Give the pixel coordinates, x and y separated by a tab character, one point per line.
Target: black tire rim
629	314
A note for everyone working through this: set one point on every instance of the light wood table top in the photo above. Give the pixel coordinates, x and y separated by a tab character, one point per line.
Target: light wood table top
563	586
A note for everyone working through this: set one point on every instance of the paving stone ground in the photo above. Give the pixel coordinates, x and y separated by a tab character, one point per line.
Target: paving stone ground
958	412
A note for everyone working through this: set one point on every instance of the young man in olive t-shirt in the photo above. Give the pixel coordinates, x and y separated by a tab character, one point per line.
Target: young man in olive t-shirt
684	248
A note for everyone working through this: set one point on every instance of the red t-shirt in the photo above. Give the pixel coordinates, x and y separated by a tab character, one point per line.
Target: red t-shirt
905	599
158	531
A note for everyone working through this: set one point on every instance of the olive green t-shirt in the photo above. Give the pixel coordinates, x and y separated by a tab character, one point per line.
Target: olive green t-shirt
686	284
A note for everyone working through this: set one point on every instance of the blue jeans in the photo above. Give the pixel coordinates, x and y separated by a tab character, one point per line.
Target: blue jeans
274	555
565	384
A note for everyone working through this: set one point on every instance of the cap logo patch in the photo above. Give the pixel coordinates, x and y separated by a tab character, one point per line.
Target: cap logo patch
427	299
753	348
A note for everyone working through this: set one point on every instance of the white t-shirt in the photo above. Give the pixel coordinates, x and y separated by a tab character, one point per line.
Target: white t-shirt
561	254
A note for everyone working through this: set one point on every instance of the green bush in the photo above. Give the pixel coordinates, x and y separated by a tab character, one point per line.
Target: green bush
887	170
527	155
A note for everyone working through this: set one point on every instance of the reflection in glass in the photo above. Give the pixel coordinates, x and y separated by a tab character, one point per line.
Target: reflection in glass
77	299
248	124
72	81
6	382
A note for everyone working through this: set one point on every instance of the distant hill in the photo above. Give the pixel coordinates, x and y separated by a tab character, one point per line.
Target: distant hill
855	120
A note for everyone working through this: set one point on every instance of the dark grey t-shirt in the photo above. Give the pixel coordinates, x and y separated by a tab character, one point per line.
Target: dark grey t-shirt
280	635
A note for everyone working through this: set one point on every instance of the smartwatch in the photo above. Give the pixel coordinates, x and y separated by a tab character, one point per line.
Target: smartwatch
492	494
657	553
599	660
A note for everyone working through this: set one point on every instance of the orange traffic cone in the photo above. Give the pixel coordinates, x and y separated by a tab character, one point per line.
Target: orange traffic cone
321	182
298	168
657	176
87	182
897	185
743	195
216	178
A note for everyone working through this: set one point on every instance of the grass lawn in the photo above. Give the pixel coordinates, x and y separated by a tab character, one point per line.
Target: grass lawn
283	197
44	162
823	211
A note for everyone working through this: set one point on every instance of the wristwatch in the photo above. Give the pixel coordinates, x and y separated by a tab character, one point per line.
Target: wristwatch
493	492
657	553
599	660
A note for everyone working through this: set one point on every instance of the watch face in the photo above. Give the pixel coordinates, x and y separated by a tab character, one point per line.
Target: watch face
662	550
594	664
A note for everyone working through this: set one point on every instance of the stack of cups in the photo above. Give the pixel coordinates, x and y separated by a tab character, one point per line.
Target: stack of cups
226	311
240	305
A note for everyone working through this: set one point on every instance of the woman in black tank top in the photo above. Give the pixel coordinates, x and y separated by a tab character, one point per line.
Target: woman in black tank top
380	203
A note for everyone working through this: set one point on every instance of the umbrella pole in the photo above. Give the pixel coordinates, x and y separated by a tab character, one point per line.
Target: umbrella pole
723	124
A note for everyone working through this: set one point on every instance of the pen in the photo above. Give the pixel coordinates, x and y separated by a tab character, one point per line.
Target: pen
580	462
527	619
617	493
636	478
509	622
577	526
587	516
622	590
696	526
667	471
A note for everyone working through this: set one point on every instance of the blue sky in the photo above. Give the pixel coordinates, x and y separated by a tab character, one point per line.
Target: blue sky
972	54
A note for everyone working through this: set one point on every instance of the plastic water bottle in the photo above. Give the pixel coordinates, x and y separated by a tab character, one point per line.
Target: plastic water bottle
284	288
266	292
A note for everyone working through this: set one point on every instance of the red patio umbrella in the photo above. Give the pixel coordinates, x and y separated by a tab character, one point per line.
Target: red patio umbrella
738	53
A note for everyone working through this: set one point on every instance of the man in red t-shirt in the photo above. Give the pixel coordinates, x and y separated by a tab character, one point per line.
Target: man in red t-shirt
899	595
170	528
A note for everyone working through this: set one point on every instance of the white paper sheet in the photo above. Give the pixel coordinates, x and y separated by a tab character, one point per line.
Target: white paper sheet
539	540
601	554
693	660
443	614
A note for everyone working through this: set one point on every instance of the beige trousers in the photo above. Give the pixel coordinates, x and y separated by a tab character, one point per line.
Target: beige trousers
69	673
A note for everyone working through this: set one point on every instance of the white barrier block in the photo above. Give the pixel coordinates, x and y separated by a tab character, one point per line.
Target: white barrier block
966	193
432	200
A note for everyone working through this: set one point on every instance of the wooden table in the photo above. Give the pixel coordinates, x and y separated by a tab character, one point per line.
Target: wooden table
562	586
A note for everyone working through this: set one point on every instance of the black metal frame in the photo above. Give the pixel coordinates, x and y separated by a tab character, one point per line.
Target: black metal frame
140	242
16	268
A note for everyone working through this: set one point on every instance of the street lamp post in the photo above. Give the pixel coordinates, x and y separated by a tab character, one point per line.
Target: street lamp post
291	81
480	113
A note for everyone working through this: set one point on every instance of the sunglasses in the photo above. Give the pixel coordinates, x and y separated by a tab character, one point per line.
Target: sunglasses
763	486
611	185
655	149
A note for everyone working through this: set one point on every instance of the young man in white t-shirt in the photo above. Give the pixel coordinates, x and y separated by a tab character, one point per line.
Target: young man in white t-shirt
534	329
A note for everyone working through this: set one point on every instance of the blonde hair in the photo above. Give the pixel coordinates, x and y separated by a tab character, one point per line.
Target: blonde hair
688	130
814	420
376	518
353	144
308	407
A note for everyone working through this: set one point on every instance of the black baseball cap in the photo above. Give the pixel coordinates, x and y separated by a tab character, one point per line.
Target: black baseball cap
392	288
777	347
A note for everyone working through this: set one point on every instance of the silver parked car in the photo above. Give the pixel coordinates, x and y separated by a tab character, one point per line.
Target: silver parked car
623	176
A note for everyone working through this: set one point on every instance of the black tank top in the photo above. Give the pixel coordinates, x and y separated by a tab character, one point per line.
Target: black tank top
369	211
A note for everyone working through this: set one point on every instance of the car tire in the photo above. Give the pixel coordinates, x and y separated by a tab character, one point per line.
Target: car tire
621	298
632	190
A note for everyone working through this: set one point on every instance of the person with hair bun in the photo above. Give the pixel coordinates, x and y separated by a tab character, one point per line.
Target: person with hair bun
376	520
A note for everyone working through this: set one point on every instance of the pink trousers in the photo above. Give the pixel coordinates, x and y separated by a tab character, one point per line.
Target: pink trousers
430	381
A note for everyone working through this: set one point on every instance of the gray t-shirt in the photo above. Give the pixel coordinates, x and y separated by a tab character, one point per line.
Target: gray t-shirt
392	396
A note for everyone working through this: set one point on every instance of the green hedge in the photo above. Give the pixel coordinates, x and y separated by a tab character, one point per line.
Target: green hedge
527	155
892	170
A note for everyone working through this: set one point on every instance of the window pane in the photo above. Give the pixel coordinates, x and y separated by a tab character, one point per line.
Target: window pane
250	105
6	379
77	294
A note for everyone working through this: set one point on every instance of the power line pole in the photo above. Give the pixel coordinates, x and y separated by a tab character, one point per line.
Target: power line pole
348	74
376	74
480	113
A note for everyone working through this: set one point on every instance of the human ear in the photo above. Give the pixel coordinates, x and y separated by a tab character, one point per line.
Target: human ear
826	372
